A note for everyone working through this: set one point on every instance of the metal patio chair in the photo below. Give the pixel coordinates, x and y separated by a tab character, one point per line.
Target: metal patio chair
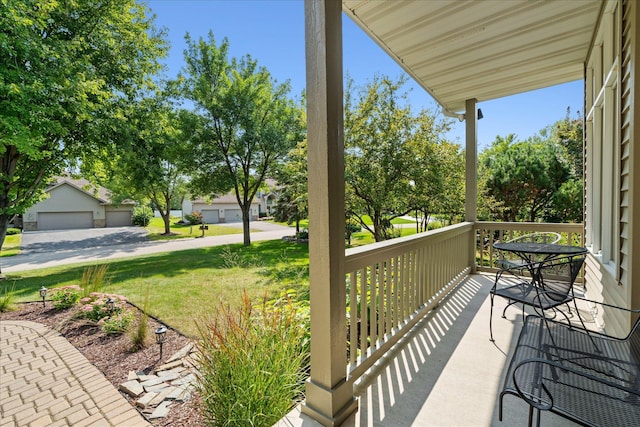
550	286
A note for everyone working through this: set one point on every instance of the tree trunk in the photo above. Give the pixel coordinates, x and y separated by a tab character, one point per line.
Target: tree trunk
246	211
4	224
166	217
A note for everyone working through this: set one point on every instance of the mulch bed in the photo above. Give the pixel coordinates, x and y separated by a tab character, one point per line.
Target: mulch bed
112	355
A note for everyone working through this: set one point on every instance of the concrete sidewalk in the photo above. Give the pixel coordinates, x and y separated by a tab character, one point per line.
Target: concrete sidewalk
37	260
45	381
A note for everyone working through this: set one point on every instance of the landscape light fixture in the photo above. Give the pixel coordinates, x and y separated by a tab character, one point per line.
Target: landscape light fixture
111	305
161	336
43	294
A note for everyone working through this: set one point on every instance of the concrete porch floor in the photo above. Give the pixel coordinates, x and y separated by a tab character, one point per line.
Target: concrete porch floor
446	372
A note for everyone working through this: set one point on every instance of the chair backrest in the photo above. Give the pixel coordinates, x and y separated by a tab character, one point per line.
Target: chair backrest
538	237
557	277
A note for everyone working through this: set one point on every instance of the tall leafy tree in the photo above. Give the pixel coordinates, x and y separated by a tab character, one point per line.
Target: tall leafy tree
378	127
291	175
65	70
568	202
392	156
152	161
247	122
437	184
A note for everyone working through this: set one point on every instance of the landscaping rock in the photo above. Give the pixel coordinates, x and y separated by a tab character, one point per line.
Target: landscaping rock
161	411
181	353
143	402
132	388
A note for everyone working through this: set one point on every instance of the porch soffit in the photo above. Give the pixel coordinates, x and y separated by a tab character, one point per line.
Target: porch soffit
484	49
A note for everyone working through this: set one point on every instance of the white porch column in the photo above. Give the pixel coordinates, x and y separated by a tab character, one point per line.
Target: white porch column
471	179
329	398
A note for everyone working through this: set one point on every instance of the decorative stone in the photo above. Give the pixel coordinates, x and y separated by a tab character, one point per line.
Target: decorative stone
168	375
152	381
132	388
143	402
157	388
146	377
175	393
184	396
161	411
181	353
161	396
184	381
171	365
132	376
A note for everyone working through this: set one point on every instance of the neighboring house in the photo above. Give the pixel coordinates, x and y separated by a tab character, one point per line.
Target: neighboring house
76	203
220	209
226	208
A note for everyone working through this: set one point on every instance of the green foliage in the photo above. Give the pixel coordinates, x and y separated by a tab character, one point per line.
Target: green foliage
112	319
7	299
293	200
67	69
142	216
254	363
93	279
116	324
521	177
152	160
260	123
396	161
65	296
194	217
13	231
140	334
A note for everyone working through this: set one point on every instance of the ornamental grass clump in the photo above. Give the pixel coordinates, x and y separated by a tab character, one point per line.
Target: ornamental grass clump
114	318
7	299
253	363
93	279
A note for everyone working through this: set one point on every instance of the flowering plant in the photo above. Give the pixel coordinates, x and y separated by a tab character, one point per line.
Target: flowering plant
112	318
65	296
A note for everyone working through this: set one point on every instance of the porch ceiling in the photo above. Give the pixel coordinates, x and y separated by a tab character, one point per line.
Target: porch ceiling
458	50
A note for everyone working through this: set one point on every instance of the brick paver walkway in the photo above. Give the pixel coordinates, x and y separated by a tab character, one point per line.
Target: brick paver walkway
45	381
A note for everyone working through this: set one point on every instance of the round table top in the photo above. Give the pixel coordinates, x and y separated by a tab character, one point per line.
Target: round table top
540	248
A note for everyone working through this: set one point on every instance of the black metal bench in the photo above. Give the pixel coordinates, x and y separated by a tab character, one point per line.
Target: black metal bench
588	377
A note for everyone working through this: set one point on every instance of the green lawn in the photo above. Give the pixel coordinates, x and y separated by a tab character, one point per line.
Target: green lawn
364	237
180	231
187	285
11	245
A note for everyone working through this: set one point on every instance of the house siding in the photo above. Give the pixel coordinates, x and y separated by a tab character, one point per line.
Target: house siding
610	87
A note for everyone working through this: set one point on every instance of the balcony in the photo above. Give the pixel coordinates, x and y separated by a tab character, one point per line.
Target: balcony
425	357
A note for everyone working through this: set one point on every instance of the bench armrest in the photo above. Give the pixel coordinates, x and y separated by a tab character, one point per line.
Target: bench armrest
567	372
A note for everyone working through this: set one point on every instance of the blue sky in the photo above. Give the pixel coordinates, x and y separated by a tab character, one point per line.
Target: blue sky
272	32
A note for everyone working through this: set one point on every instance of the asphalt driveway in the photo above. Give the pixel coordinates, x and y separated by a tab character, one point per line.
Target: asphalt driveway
90	238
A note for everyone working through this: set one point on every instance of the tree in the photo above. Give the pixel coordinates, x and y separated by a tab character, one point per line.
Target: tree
437	184
152	162
522	176
392	163
567	204
65	70
247	123
293	201
378	126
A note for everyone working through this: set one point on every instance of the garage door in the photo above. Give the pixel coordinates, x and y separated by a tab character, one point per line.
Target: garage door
211	216
64	220
233	215
119	218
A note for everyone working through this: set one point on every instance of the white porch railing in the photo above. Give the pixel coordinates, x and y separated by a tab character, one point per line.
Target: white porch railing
392	284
